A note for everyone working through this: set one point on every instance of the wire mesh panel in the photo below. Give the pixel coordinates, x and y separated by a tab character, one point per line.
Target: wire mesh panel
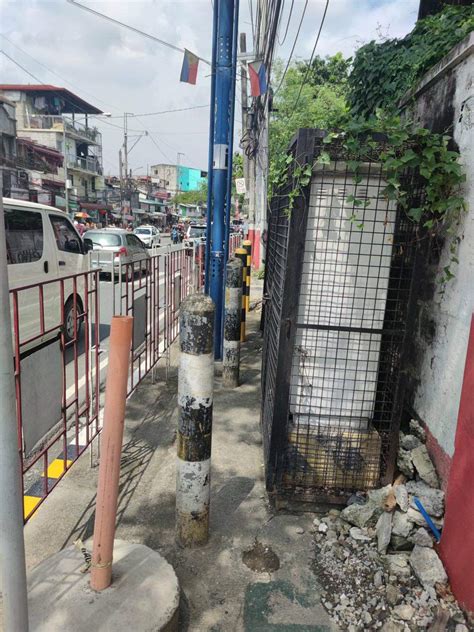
345	338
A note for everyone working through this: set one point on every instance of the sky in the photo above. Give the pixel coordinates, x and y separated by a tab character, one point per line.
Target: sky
120	71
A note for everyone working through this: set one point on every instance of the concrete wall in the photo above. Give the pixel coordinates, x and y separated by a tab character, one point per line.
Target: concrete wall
190	179
165	176
444	102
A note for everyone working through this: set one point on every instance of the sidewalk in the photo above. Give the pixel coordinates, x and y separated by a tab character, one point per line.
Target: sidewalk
220	593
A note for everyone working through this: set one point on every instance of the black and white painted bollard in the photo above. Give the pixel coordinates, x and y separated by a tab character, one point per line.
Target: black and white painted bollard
195	395
241	254
232	320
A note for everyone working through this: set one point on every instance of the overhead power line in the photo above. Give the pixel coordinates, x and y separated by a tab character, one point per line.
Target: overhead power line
134	29
53	72
22	67
292	48
312	55
192	107
281	42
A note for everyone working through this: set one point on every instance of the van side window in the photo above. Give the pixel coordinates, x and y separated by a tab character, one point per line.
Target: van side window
135	242
66	237
24	235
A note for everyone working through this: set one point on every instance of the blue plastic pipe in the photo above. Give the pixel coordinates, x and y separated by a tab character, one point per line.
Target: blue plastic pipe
429	522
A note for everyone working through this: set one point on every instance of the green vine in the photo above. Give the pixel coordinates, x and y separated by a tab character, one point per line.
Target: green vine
382	73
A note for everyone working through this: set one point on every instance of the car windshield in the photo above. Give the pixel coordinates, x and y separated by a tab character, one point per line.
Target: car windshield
142	231
197	231
103	239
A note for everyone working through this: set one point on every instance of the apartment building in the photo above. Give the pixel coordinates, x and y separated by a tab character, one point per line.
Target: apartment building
53	118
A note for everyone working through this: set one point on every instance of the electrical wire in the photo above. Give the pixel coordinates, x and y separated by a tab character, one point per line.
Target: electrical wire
53	72
192	107
292	48
132	28
22	67
311	58
281	42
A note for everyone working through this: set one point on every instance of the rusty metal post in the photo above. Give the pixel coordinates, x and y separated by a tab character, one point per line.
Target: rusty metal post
195	396
232	319
111	450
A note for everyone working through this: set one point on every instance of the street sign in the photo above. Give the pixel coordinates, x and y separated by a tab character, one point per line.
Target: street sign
240	186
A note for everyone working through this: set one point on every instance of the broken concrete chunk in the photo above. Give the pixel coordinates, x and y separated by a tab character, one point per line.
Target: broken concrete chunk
417	429
427	566
378	497
401	495
424	466
404	611
384	531
322	528
359	534
415	516
401	525
378	579
359	515
409	441
405	464
421	537
391	626
431	499
397	564
393	594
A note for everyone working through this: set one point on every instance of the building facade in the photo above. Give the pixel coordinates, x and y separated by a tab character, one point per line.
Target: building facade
177	178
52	122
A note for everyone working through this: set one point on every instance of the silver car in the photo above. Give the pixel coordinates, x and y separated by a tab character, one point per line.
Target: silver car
116	251
149	235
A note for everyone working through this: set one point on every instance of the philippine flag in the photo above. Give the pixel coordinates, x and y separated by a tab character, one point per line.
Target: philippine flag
189	68
258	78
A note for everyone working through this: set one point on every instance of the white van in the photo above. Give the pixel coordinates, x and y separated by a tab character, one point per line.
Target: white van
43	245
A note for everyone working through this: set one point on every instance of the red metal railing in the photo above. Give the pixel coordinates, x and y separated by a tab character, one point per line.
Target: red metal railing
43	327
150	289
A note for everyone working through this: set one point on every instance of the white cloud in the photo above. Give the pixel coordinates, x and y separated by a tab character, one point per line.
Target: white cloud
119	71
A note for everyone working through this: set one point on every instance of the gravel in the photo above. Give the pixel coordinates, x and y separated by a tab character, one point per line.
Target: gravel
380	568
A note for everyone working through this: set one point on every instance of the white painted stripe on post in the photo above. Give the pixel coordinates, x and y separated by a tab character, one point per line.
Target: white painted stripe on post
233	298
196	375
193	486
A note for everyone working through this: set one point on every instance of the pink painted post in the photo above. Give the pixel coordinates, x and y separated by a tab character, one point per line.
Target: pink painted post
457	541
111	450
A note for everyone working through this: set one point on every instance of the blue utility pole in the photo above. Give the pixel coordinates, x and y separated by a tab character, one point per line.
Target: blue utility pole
223	94
212	117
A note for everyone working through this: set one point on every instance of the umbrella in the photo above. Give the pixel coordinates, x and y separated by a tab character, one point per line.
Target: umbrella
82	215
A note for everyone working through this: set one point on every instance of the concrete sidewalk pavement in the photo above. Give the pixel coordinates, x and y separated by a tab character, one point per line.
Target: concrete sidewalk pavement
220	592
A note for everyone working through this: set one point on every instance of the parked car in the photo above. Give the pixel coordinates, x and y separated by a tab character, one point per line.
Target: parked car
118	251
43	245
149	235
194	233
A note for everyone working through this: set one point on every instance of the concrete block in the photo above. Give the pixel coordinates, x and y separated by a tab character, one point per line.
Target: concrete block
144	594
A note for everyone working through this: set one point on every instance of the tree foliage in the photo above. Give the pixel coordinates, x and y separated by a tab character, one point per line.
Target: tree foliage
192	197
322	103
382	73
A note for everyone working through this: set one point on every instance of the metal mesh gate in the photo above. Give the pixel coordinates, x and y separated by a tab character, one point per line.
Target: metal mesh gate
337	289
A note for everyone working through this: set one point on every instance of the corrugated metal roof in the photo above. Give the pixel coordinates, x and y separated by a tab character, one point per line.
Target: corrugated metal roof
73	102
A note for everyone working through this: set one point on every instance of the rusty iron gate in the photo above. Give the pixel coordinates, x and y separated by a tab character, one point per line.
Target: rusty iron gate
338	287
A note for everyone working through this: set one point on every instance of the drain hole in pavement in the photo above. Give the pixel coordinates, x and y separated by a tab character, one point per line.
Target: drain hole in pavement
261	558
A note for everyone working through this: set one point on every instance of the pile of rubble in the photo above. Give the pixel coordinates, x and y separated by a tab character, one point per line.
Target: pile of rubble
377	558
